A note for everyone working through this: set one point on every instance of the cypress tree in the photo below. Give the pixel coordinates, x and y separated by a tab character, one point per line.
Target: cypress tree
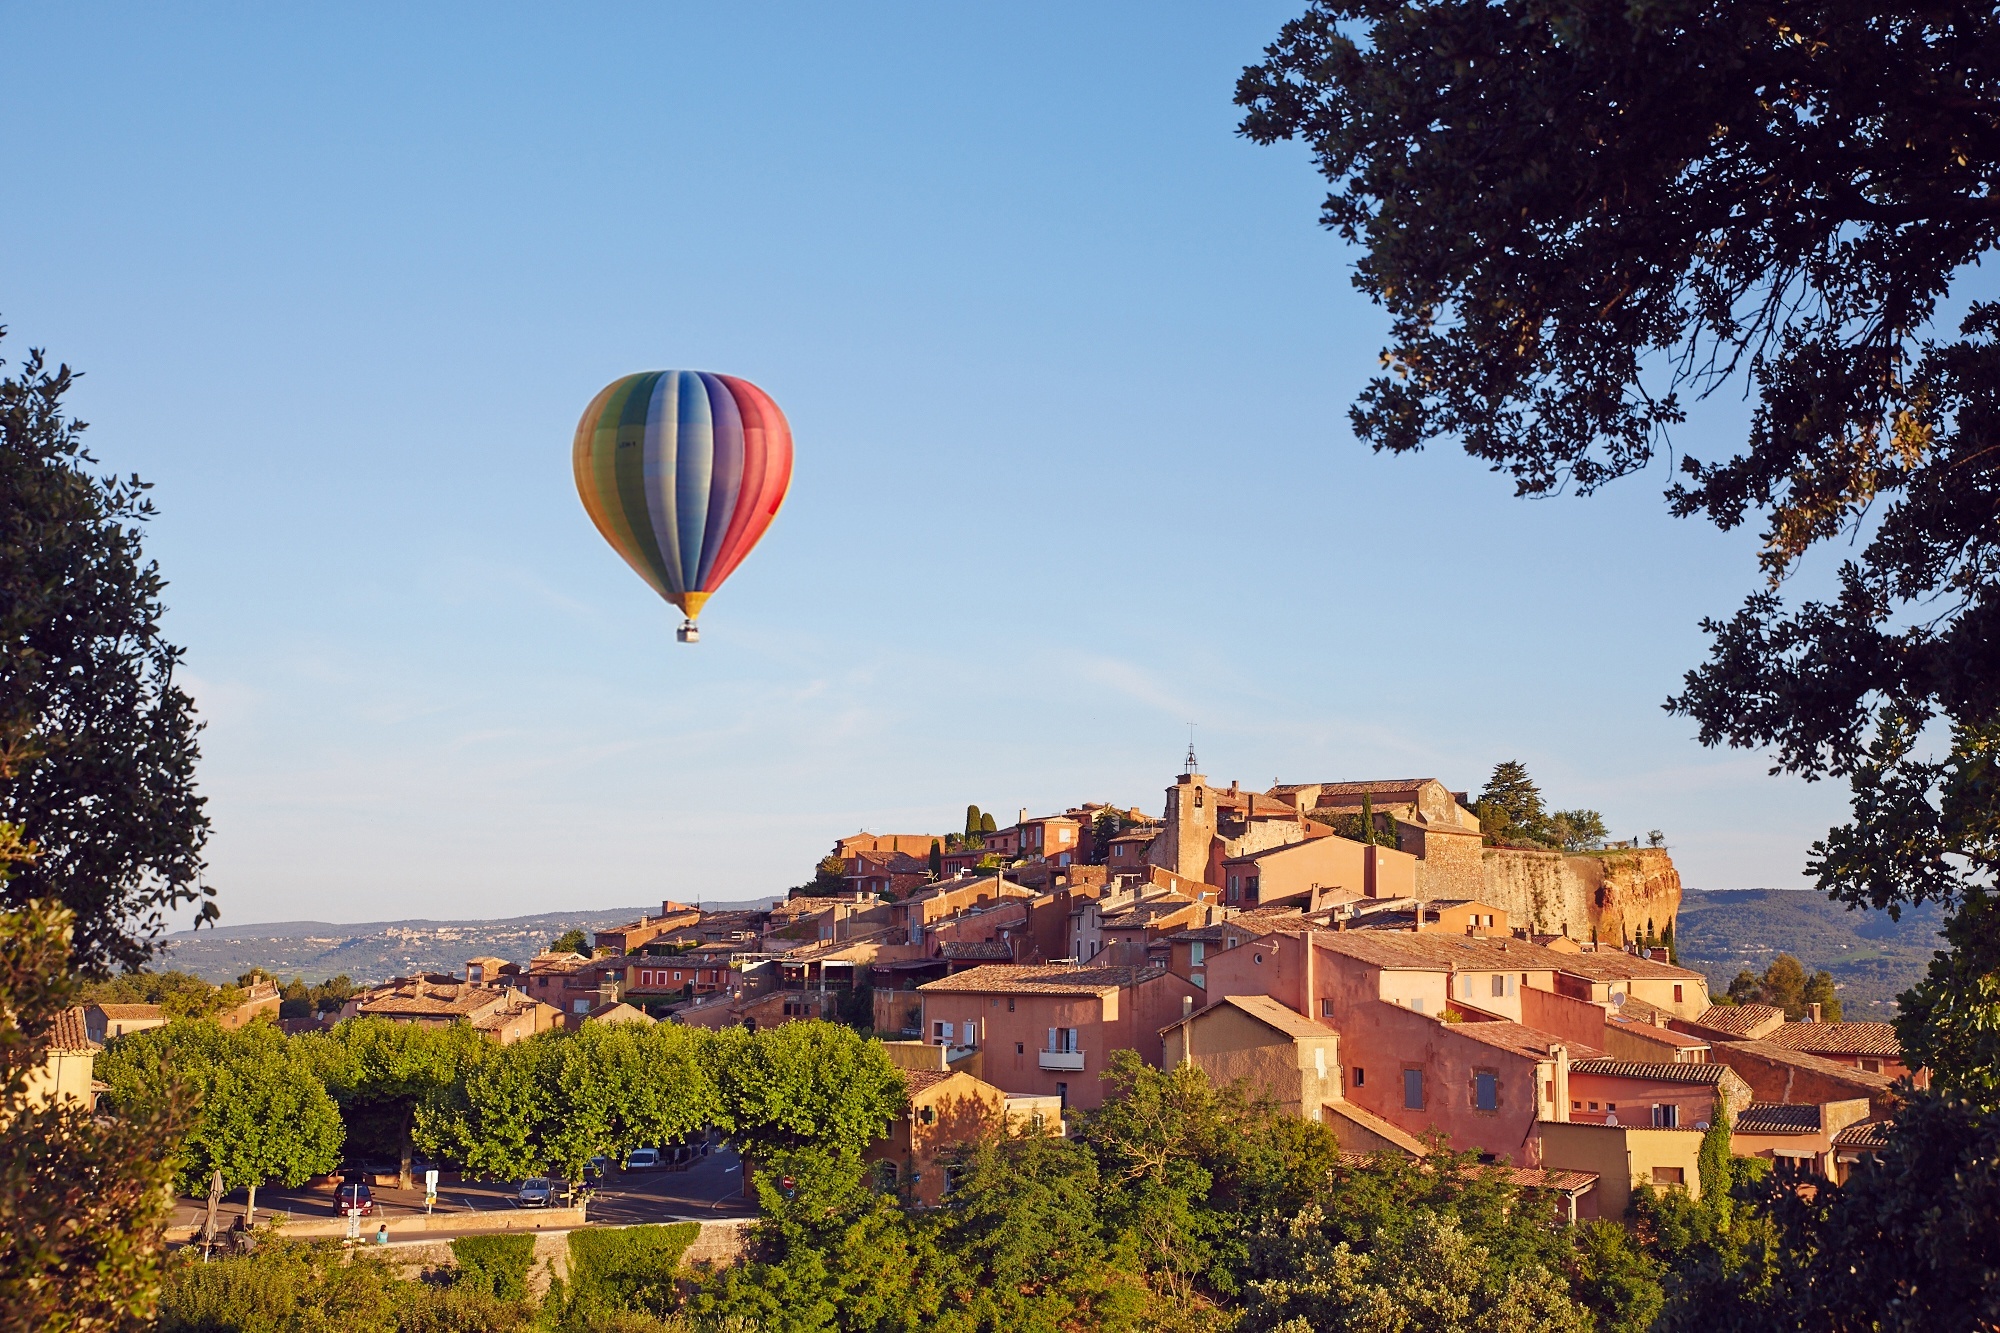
986	824
971	821
937	859
1368	818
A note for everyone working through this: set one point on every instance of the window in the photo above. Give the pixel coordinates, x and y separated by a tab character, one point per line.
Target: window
1010	1004
1062	1040
1062	1091
1677	995
942	1034
1250	886
1486	1091
1230	943
1549	1091
1667	1116
677	976
1020	1048
1593	1106
1196	952
1325	1007
1416	1004
1669	1175
1576	1106
1413	1089
1499	984
1360	1077
1234	882
579	1006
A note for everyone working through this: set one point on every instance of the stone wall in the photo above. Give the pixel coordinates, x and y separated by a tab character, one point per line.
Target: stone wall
1604	895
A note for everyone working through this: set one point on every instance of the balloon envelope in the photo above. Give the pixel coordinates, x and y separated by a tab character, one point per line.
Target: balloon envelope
682	471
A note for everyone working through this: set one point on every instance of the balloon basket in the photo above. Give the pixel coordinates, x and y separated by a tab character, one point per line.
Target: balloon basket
688	633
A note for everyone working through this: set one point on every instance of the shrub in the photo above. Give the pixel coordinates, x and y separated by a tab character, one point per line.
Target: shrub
301	1287
628	1268
495	1265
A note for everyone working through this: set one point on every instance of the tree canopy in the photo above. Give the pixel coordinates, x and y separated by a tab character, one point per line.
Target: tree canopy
97	741
1581	218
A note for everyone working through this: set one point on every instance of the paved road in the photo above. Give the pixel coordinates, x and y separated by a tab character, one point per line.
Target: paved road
710	1189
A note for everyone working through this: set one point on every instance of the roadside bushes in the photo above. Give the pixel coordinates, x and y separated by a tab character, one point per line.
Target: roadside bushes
298	1287
626	1269
495	1265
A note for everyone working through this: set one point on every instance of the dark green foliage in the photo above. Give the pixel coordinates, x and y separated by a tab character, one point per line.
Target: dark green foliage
973	821
626	1268
935	861
800	1085
97	742
572	940
82	1199
1575	213
987	824
259	1110
1785	985
1510	804
290	1287
496	1265
179	994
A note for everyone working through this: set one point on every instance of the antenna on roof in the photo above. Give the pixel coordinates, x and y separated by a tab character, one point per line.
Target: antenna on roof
1193	764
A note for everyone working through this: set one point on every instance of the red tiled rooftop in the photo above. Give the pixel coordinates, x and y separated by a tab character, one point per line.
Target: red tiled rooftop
1739	1020
1839	1038
1041	979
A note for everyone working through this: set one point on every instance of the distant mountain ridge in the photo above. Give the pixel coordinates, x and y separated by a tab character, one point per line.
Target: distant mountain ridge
1872	958
373	951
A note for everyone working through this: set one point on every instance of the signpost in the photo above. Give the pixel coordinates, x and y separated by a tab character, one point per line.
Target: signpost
430	1189
353	1225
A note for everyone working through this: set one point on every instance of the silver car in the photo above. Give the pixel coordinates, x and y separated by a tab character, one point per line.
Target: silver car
535	1192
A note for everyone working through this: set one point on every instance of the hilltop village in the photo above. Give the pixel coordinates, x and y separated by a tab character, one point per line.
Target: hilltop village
1355	950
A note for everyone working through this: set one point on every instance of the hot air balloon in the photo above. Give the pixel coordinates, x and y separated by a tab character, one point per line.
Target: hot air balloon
682	471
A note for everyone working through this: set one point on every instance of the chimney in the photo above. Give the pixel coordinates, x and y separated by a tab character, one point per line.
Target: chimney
1024	816
1812	1013
1187	1006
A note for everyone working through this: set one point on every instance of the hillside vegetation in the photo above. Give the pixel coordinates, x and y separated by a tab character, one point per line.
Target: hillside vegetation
1872	959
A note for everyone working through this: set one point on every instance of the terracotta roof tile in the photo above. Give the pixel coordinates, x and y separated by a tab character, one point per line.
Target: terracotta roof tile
918	1081
1774	1118
1428	952
1266	1010
1538	1178
1741	1020
1839	1038
1042	979
1868	1136
1803	1060
68	1032
1710	1074
1516	1037
130	1010
1617	965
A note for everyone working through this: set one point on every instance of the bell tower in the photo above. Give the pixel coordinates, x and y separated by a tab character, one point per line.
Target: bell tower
1190	815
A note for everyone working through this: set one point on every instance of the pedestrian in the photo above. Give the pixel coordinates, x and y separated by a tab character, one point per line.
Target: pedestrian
382	1234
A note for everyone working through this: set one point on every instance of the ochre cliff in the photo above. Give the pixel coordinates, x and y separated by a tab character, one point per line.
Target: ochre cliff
1609	896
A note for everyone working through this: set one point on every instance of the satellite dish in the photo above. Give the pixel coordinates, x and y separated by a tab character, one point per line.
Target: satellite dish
1618	999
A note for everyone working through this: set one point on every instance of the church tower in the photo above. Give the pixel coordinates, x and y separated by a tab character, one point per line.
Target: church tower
1183	846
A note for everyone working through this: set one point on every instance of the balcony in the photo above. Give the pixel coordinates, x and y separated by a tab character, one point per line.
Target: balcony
1061	1061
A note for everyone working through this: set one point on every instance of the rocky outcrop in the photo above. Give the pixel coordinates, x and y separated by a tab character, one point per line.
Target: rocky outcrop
1608	896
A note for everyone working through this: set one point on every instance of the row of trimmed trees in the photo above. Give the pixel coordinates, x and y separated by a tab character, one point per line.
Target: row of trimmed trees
267	1107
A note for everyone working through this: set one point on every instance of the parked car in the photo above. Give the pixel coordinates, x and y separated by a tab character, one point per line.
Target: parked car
643	1159
597	1165
535	1192
354	1195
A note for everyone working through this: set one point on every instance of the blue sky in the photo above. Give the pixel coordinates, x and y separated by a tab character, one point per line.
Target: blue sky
1066	360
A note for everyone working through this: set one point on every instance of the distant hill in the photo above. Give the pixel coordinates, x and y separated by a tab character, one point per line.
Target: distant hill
1872	959
374	951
